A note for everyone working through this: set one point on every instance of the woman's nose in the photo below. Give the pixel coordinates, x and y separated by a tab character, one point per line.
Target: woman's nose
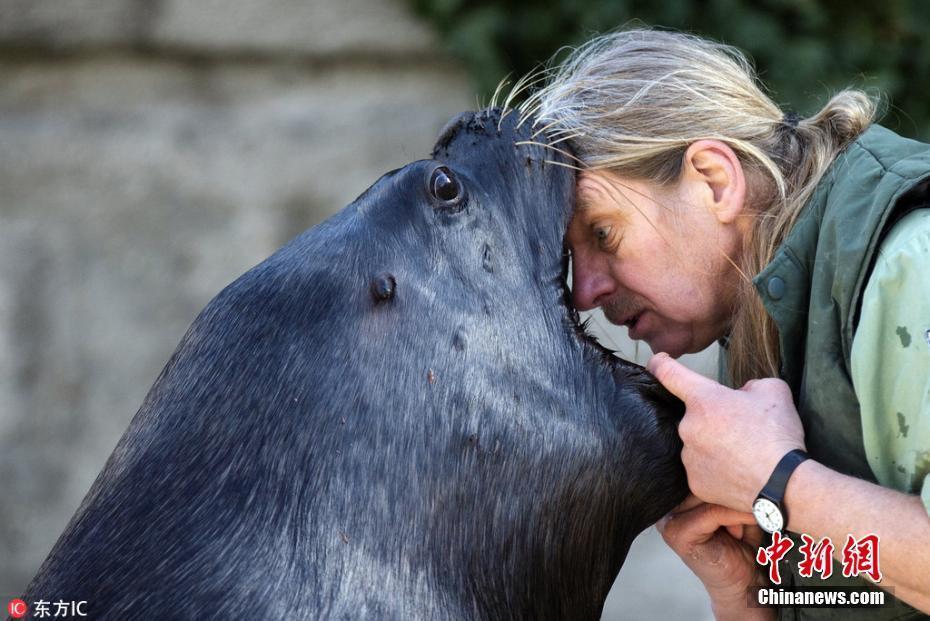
591	287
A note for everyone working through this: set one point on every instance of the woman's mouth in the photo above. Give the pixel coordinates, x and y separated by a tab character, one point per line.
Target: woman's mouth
634	325
633	320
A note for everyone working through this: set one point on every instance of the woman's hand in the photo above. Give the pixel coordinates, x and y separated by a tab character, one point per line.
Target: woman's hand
733	439
719	545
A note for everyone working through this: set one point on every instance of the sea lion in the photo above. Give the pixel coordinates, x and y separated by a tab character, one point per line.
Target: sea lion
396	415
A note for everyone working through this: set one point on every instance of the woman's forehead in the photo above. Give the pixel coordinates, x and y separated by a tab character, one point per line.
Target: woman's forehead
594	188
599	190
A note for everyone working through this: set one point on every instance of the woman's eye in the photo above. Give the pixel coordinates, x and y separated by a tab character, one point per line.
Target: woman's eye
603	235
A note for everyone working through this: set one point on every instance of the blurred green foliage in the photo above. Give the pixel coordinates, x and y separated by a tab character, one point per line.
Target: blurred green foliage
804	49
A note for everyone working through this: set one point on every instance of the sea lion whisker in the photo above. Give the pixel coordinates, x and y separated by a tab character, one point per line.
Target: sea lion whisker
533	99
530	79
497	91
504	113
564	138
545	129
521	85
613	344
572	166
561	132
546	145
530	105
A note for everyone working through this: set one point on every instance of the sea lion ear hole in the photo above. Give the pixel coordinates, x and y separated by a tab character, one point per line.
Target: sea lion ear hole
445	188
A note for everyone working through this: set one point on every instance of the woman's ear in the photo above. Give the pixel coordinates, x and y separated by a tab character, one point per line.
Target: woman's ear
716	174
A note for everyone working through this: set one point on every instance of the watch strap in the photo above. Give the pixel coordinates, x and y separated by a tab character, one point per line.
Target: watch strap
774	489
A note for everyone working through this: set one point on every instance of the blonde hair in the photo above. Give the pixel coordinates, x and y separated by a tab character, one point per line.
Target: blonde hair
633	101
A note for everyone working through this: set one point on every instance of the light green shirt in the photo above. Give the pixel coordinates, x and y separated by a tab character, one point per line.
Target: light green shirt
891	359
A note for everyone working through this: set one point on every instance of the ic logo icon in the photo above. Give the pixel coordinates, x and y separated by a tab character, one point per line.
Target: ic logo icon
17	608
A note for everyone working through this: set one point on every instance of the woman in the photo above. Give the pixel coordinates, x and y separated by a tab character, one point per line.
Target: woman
707	214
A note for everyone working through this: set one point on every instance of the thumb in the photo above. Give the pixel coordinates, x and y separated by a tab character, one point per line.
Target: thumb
700	524
676	377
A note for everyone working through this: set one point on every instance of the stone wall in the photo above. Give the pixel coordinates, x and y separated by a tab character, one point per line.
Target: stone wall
150	152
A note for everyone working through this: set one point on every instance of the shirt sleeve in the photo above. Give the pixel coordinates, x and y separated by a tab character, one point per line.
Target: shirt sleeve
890	359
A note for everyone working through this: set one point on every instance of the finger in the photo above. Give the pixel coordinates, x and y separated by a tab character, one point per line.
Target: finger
753	535
709	517
676	377
701	523
736	530
687	504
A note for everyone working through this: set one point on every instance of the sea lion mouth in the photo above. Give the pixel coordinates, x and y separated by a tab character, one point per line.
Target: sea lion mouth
629	370
580	329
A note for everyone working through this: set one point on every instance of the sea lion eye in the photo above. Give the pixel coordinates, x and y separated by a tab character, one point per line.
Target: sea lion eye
444	186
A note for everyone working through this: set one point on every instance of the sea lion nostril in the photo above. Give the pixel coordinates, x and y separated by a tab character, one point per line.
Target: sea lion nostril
460	339
487	259
383	287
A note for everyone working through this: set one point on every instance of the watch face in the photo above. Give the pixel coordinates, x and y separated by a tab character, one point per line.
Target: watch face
767	515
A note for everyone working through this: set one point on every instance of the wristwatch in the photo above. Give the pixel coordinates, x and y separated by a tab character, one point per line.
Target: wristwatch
768	509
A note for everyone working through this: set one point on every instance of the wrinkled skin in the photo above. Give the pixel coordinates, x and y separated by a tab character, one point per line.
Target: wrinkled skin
394	416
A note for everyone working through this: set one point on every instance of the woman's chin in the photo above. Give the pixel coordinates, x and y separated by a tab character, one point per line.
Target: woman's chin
674	345
668	346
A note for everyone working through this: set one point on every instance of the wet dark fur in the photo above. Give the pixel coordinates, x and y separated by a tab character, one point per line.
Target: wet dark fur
442	443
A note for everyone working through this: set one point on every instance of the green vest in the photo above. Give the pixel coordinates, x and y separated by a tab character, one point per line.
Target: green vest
812	290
